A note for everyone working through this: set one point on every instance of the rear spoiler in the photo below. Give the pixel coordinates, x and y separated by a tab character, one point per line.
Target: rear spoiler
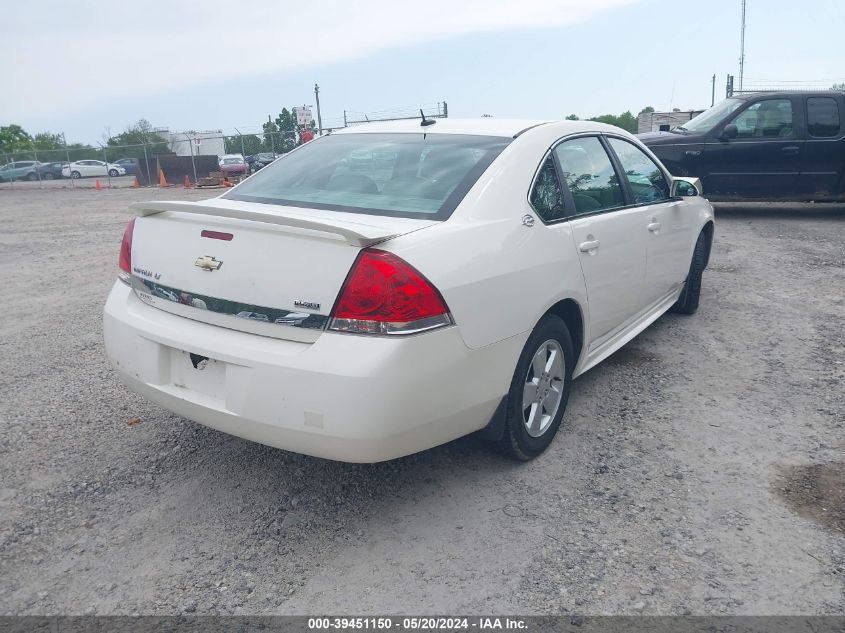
355	234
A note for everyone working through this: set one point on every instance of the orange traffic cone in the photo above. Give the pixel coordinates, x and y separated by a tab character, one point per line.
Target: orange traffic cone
135	184
187	184
162	181
97	185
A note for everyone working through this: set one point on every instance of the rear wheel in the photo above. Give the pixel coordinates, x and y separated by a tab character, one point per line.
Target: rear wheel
687	303
32	176
49	176
113	173
75	175
539	390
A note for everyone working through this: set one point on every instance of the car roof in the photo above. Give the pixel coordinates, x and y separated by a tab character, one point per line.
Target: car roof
789	93
479	127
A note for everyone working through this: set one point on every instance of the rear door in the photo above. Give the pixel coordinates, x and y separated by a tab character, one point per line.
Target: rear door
823	170
610	238
764	160
666	227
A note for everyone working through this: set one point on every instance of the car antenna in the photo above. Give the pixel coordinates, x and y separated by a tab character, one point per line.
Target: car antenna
426	122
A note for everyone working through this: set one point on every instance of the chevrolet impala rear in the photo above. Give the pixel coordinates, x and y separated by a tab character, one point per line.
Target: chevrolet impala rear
386	289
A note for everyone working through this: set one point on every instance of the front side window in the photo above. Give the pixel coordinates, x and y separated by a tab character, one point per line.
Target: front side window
647	182
822	117
414	175
546	196
771	118
589	174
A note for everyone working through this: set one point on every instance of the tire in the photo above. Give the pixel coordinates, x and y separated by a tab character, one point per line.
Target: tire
113	173
687	303
75	175
32	176
518	441
49	176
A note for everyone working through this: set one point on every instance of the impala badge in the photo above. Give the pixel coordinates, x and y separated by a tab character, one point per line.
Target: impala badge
207	262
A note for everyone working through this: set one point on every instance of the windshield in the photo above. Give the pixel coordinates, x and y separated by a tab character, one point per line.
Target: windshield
399	175
232	161
707	119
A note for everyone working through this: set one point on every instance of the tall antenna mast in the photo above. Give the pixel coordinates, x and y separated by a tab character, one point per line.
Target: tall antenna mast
742	48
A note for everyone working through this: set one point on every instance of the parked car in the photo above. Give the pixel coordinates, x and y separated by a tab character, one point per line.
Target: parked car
262	160
130	165
19	170
88	168
460	291
773	146
51	171
232	164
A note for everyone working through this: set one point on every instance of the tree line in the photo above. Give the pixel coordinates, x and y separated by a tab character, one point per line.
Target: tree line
279	135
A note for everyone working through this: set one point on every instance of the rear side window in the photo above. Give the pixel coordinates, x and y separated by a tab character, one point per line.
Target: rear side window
589	174
546	196
822	117
413	175
647	182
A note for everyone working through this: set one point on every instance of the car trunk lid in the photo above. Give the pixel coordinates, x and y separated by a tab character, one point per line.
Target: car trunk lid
266	269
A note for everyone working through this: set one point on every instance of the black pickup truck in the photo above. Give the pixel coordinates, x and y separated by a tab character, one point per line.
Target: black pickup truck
764	146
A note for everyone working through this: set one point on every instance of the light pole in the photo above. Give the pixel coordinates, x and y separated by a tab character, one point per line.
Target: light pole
319	118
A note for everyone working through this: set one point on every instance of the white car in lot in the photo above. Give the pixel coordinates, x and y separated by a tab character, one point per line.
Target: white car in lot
459	288
88	168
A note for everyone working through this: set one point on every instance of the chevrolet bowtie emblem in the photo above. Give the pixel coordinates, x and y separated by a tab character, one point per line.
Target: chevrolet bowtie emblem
207	262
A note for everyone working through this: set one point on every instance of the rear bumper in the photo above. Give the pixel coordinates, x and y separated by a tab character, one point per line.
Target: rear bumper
344	397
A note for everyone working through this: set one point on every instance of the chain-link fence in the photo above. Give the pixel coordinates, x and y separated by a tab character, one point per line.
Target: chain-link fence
169	158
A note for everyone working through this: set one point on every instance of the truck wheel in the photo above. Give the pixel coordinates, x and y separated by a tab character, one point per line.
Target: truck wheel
539	390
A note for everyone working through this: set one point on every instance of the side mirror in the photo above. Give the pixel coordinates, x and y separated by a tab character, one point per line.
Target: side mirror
730	131
686	188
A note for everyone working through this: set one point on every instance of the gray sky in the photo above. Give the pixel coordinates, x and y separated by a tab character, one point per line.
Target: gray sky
85	67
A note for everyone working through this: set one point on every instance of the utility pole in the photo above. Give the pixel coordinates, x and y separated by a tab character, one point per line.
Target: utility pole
319	118
742	48
713	93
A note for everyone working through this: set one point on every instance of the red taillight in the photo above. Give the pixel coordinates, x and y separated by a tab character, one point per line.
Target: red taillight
384	294
125	260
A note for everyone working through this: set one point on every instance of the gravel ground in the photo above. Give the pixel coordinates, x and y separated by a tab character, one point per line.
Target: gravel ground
699	470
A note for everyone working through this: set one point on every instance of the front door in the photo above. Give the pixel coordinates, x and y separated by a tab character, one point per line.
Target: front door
763	160
665	224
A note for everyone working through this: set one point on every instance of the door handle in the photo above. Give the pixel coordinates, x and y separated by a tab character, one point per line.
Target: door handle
791	150
654	227
587	247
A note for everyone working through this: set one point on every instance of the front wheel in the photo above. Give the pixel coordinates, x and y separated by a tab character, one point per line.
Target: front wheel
687	303
539	390
75	175
113	173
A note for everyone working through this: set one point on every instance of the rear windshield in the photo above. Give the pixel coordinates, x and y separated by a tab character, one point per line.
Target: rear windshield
232	161
399	175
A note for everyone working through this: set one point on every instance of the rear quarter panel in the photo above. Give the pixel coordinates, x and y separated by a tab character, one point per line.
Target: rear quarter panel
498	276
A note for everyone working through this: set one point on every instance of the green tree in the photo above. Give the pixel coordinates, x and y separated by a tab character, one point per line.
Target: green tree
573	117
271	135
646	110
139	135
626	120
13	138
286	123
838	86
251	144
47	140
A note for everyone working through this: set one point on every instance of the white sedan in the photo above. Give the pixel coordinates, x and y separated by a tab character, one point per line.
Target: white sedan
448	278
84	168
